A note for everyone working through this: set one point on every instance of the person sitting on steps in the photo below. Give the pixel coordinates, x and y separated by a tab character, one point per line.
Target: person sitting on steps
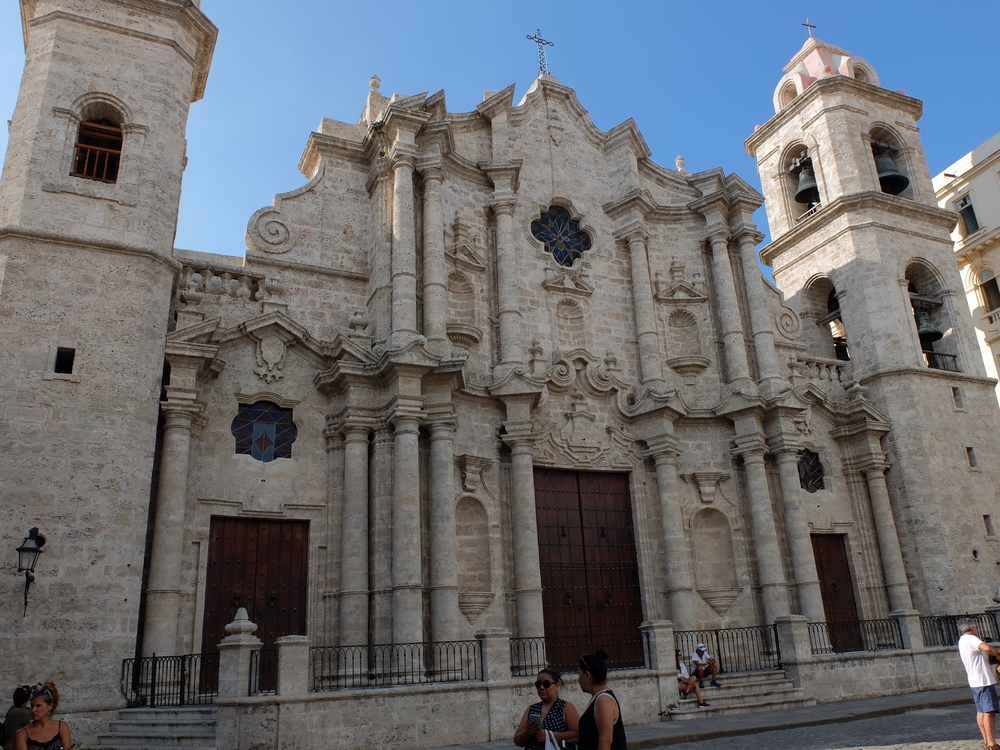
704	665
687	682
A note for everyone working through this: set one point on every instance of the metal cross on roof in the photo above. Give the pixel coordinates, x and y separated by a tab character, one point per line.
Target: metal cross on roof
809	26
543	65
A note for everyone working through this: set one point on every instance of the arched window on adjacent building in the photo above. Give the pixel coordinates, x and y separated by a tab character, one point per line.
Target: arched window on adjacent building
989	292
967	221
98	150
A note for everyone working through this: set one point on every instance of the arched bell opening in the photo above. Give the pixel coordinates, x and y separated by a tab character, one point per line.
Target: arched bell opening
799	176
891	169
931	317
828	337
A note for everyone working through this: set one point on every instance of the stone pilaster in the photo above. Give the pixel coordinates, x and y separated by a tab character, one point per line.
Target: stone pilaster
799	539
888	540
330	587
445	613
761	326
435	270
354	583
407	595
164	592
404	255
508	273
527	569
676	550
772	576
727	305
644	311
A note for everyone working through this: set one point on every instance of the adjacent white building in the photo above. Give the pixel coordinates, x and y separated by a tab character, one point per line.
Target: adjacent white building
971	187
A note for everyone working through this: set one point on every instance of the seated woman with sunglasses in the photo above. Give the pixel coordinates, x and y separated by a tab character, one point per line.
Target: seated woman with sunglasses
553	714
44	732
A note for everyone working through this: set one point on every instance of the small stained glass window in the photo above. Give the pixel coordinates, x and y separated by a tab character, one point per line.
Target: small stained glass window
561	235
264	430
810	471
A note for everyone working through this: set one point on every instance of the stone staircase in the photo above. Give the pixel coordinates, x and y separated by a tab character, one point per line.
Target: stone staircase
743	693
181	728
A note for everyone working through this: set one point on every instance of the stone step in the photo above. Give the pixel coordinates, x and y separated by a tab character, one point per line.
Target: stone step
182	713
180	728
747	707
718	698
169	726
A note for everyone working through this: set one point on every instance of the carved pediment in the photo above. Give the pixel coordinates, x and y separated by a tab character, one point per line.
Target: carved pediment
571	281
578	442
464	249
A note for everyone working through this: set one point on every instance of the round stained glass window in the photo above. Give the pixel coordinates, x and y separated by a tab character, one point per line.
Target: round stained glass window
561	236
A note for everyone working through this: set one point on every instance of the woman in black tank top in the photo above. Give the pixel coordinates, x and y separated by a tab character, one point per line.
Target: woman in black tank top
601	726
44	732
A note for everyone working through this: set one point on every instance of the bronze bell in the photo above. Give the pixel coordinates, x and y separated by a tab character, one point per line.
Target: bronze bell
928	333
890	179
807	192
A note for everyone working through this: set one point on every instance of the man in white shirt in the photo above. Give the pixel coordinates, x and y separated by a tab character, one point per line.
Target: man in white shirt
982	679
703	665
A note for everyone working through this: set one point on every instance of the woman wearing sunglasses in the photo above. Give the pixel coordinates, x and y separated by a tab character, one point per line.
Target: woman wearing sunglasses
44	732
552	714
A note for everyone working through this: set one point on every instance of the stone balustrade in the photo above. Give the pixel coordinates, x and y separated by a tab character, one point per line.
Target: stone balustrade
213	285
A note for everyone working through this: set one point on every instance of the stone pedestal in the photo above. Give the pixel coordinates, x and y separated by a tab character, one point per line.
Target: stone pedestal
234	657
793	640
293	666
909	628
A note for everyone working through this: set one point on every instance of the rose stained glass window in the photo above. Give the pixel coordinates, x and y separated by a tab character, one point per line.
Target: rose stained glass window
561	236
264	430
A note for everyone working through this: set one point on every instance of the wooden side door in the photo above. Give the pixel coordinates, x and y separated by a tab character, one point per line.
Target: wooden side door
590	577
261	565
837	589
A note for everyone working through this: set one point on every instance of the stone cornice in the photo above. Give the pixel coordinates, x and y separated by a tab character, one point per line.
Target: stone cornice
826	87
872	200
76	243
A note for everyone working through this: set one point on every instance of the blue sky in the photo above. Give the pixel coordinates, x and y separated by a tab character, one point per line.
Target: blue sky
696	77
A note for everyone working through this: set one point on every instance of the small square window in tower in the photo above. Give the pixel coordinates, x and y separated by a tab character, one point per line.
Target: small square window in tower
98	151
810	471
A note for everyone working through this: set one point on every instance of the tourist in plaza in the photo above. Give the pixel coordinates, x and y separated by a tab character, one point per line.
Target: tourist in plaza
44	732
17	716
601	726
703	665
976	655
687	682
550	714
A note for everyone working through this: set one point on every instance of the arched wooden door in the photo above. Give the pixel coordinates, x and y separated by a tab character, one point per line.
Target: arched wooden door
590	576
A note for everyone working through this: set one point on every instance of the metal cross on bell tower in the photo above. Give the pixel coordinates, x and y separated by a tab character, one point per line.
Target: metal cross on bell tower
809	27
543	65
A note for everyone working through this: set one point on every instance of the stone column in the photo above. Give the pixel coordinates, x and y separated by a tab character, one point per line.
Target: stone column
799	539
444	554
508	274
772	576
644	311
527	569
407	596
727	304
164	592
888	541
676	550
354	584
334	537
435	270
404	245
760	319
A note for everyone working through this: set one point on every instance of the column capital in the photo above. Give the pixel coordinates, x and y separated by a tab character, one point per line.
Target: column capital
663	448
403	159
442	426
753	239
503	206
183	415
432	173
719	238
751	447
632	232
406	418
520	442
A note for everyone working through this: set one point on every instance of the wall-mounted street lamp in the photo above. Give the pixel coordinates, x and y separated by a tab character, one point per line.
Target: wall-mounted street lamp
27	556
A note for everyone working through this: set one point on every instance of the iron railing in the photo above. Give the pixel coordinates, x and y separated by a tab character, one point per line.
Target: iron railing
527	656
939	361
943	630
625	651
859	635
188	680
263	671
748	649
340	667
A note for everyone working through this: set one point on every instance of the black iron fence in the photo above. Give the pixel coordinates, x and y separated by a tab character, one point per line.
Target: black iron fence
263	671
861	635
943	630
339	667
748	649
188	680
527	656
625	651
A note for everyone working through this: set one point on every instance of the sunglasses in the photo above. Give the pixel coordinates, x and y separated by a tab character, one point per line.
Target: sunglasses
543	684
43	691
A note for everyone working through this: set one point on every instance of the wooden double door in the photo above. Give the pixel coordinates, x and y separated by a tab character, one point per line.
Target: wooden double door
590	576
261	565
837	590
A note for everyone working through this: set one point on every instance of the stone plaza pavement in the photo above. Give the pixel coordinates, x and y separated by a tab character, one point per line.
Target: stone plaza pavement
932	720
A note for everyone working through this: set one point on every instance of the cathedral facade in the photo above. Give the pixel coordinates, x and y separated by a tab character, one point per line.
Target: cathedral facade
490	371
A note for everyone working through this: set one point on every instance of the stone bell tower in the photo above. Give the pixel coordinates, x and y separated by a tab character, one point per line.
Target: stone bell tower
862	252
88	207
